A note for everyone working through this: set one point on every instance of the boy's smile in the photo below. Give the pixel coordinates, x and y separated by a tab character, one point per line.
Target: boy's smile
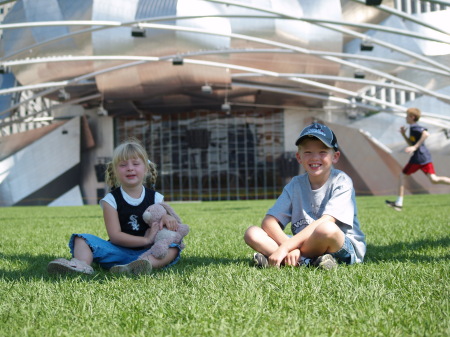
317	159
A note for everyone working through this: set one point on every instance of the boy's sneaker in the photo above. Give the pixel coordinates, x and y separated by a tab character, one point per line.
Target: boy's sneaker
137	267
394	205
326	261
64	266
260	261
304	262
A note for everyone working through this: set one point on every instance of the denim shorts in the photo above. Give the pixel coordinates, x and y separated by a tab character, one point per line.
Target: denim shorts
107	254
346	254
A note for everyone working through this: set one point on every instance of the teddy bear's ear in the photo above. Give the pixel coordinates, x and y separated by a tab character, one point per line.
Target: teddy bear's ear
170	211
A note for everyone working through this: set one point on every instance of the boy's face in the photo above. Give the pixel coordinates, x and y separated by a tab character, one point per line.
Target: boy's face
410	118
316	158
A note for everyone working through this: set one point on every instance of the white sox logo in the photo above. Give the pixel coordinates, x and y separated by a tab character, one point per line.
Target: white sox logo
134	222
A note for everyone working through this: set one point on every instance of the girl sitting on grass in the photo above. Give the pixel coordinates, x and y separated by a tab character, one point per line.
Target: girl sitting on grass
123	207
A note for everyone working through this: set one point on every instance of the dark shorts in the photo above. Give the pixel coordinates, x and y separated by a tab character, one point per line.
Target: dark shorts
346	254
411	168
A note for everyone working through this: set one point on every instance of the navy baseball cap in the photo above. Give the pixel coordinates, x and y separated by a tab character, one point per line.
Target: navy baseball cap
321	132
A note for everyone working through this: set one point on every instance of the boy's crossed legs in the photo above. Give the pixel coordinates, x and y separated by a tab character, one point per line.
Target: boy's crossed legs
320	249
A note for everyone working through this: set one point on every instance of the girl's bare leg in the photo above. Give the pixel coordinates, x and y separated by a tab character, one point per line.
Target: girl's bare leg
81	251
159	263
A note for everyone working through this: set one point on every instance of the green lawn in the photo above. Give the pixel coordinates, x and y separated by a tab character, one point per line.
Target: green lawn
402	289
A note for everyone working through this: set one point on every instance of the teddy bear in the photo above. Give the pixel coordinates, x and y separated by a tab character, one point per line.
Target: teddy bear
164	237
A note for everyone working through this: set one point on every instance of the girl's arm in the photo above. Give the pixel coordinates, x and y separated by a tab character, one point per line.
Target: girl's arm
150	234
115	232
297	240
169	221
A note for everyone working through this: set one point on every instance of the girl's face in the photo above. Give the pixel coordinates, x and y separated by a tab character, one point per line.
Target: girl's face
131	172
316	158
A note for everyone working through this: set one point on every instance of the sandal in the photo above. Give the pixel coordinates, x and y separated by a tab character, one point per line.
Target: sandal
137	267
64	266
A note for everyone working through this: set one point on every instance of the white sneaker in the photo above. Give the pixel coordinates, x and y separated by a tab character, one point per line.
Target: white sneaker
393	205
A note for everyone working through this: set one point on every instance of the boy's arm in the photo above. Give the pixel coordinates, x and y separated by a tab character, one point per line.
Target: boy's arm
271	226
416	146
403	132
297	240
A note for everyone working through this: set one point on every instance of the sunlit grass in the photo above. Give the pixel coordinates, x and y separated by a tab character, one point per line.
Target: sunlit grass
402	289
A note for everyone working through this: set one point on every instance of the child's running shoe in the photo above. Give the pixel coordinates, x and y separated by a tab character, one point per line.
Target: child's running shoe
64	266
304	262
260	261
137	267
326	261
393	205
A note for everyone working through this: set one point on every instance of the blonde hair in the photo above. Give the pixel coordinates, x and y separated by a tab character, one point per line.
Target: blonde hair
130	149
415	112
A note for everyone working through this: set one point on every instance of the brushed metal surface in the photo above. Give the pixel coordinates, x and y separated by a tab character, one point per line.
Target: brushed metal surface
146	85
46	158
228	36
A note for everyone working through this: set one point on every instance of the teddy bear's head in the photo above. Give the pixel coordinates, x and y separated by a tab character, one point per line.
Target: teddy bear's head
164	237
154	213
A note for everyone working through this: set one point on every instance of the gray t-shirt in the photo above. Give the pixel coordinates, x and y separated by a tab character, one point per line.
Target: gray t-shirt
301	205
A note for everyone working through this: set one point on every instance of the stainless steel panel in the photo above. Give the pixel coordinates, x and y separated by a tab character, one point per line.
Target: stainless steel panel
151	82
73	197
39	163
25	39
159	79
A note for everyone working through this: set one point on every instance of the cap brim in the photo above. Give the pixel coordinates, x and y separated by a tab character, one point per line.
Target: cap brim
321	138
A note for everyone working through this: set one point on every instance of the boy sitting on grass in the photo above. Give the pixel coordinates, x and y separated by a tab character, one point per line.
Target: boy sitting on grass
321	207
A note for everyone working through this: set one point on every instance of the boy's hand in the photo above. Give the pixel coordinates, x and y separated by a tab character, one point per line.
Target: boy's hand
278	256
170	222
292	258
403	130
410	149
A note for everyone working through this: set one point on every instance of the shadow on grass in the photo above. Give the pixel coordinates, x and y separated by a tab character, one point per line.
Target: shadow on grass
415	252
35	266
205	261
30	266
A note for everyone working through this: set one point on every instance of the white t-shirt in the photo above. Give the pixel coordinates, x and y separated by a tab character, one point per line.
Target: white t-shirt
301	205
132	201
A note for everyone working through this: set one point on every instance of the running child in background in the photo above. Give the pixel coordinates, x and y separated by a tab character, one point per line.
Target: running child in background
420	159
